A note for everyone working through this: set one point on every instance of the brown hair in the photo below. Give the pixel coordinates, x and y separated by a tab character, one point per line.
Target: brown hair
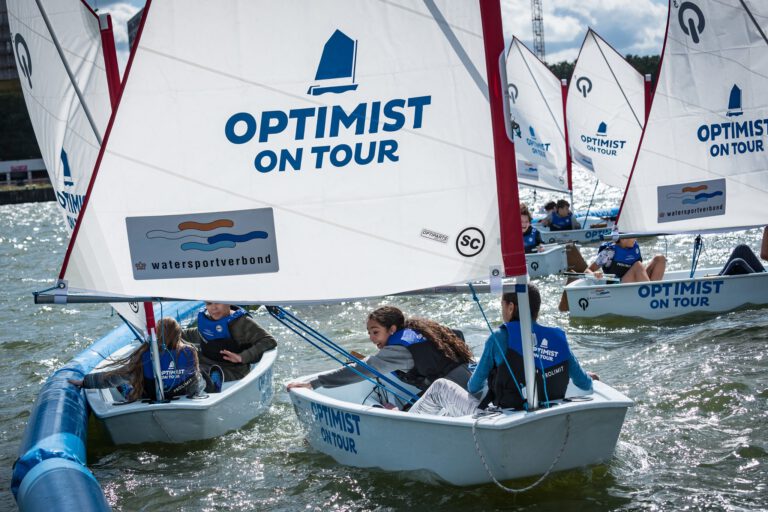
441	336
526	212
131	367
534	298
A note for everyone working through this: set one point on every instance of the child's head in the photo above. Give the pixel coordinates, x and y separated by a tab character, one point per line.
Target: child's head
563	208
384	322
549	206
509	307
168	333
525	216
626	243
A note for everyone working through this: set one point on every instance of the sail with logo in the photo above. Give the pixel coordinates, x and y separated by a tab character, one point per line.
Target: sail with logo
605	111
702	164
63	68
261	191
536	109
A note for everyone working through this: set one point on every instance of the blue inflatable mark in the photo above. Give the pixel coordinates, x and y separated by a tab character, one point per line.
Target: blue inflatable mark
337	62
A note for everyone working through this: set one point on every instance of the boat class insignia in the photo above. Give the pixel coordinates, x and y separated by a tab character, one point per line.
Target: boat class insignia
584	85
583	304
695	21
203	244
470	242
25	60
336	71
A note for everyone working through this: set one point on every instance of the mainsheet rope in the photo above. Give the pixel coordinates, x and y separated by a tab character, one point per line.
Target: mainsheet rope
303	330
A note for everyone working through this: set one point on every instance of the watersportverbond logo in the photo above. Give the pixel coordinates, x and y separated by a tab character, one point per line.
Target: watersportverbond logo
692	200
601	144
320	125
538	148
68	201
203	244
736	137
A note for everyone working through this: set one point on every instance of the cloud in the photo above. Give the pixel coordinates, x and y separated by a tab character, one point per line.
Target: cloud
630	26
121	12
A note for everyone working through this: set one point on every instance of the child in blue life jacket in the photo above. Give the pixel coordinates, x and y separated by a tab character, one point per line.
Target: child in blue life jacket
418	350
503	351
623	259
561	218
180	372
531	236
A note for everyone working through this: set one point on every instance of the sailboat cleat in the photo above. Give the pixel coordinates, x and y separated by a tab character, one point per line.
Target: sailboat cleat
336	71
734	102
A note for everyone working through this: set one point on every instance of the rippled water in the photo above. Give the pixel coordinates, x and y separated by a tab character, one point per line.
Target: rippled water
697	437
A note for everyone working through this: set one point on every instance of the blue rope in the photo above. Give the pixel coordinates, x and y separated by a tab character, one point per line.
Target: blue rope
297	326
502	351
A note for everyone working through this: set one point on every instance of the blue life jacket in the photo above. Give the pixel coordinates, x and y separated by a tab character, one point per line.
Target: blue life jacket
177	370
551	355
429	364
559	223
530	239
216	335
622	260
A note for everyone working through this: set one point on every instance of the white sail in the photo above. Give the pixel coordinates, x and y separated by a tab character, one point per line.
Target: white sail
253	165
702	163
536	108
605	111
69	141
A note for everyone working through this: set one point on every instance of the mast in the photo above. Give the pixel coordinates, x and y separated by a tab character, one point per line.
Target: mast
648	96
512	249
110	57
568	164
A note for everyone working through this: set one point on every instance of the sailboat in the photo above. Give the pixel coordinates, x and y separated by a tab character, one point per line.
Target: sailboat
538	123
70	80
706	132
349	423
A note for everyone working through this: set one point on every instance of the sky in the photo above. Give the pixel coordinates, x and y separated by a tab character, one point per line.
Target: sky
630	26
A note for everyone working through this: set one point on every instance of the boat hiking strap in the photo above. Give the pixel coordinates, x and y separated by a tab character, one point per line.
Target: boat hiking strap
303	331
589	206
541	478
698	245
502	350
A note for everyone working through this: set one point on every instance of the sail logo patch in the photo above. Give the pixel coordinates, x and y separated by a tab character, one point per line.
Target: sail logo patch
691	200
691	20
203	244
538	147
470	242
305	138
527	170
68	201
25	59
737	137
584	85
601	144
513	92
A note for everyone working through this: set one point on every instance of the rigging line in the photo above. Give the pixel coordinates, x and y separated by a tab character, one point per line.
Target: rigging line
525	61
639	124
330	343
461	53
751	17
294	325
361	232
69	72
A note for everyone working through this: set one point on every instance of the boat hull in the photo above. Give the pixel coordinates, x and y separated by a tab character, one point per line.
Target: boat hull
676	295
514	444
553	260
590	235
184	419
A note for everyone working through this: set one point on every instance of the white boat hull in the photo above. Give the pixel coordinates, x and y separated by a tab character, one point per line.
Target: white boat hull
583	236
514	444
676	295
550	261
183	419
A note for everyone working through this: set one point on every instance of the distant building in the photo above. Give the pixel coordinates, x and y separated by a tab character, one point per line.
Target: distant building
133	27
7	60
